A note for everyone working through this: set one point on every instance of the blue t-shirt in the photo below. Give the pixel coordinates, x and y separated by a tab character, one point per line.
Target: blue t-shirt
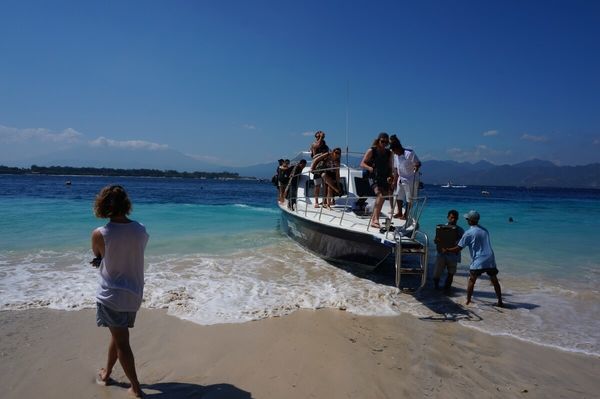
477	239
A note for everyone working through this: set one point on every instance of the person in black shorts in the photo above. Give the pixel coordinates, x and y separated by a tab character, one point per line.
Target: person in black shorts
283	178
477	238
291	191
378	162
317	148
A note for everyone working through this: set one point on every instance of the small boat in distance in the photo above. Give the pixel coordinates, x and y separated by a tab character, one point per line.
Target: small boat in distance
450	185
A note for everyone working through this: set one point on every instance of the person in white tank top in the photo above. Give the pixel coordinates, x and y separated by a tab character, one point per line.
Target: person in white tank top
119	249
406	167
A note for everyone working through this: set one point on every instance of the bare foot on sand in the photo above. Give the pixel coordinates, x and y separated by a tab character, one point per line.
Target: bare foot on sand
468	302
103	378
133	393
500	304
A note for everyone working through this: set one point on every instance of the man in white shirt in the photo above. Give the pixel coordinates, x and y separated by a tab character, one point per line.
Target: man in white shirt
406	166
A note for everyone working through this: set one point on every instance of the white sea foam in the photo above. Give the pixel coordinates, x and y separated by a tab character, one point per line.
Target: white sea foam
275	280
548	315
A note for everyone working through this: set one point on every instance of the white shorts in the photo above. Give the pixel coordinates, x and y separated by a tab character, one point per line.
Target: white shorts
404	191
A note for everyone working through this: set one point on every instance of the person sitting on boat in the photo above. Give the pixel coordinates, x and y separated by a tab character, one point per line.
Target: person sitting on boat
477	238
329	163
292	187
406	166
449	260
283	178
378	161
316	148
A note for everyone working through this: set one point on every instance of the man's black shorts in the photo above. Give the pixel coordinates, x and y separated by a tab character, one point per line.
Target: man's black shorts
478	272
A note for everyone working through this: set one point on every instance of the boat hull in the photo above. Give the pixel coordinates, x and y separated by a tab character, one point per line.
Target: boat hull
337	244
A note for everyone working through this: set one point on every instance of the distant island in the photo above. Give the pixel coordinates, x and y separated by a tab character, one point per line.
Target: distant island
532	173
88	171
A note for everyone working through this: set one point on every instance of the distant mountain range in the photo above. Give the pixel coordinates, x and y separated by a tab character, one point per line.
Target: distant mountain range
533	173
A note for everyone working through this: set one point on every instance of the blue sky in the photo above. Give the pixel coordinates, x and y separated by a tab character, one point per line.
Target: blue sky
245	82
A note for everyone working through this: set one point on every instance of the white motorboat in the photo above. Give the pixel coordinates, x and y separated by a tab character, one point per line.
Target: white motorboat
450	185
342	233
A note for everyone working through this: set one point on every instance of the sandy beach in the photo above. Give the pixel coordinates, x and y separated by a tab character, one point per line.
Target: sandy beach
308	354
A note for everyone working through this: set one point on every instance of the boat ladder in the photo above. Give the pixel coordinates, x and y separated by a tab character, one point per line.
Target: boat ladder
408	245
413	248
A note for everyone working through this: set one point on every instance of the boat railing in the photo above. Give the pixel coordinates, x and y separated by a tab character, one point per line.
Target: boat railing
349	200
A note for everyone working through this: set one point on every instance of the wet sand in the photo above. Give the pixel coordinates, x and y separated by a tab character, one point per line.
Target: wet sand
308	354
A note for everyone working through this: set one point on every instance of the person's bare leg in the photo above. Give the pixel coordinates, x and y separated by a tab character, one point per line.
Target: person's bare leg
470	287
104	374
399	213
377	210
317	191
498	290
125	355
408	206
327	191
331	188
327	197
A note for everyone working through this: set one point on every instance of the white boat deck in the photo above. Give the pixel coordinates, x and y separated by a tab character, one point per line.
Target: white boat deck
343	216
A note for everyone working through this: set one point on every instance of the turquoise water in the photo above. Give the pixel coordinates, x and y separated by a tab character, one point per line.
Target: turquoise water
552	235
216	255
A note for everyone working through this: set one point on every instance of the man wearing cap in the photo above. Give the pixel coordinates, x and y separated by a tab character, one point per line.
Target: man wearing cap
477	239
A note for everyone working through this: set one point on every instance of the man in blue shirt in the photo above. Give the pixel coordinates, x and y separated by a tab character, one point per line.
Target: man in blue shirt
477	239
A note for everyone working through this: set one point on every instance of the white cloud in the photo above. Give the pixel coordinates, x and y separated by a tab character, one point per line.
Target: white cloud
309	133
426	157
477	153
15	135
249	126
535	139
128	144
490	133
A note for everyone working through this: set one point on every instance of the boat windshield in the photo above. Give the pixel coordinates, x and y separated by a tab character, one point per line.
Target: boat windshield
351	159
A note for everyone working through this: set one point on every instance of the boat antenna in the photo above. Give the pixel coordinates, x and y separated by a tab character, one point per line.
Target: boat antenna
347	106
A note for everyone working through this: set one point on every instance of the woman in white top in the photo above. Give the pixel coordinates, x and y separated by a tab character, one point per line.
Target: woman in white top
119	249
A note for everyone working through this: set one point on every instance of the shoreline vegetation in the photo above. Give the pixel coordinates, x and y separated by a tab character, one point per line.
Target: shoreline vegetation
90	171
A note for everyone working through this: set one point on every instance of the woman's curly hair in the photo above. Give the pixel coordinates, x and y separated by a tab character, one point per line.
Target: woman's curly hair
112	201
